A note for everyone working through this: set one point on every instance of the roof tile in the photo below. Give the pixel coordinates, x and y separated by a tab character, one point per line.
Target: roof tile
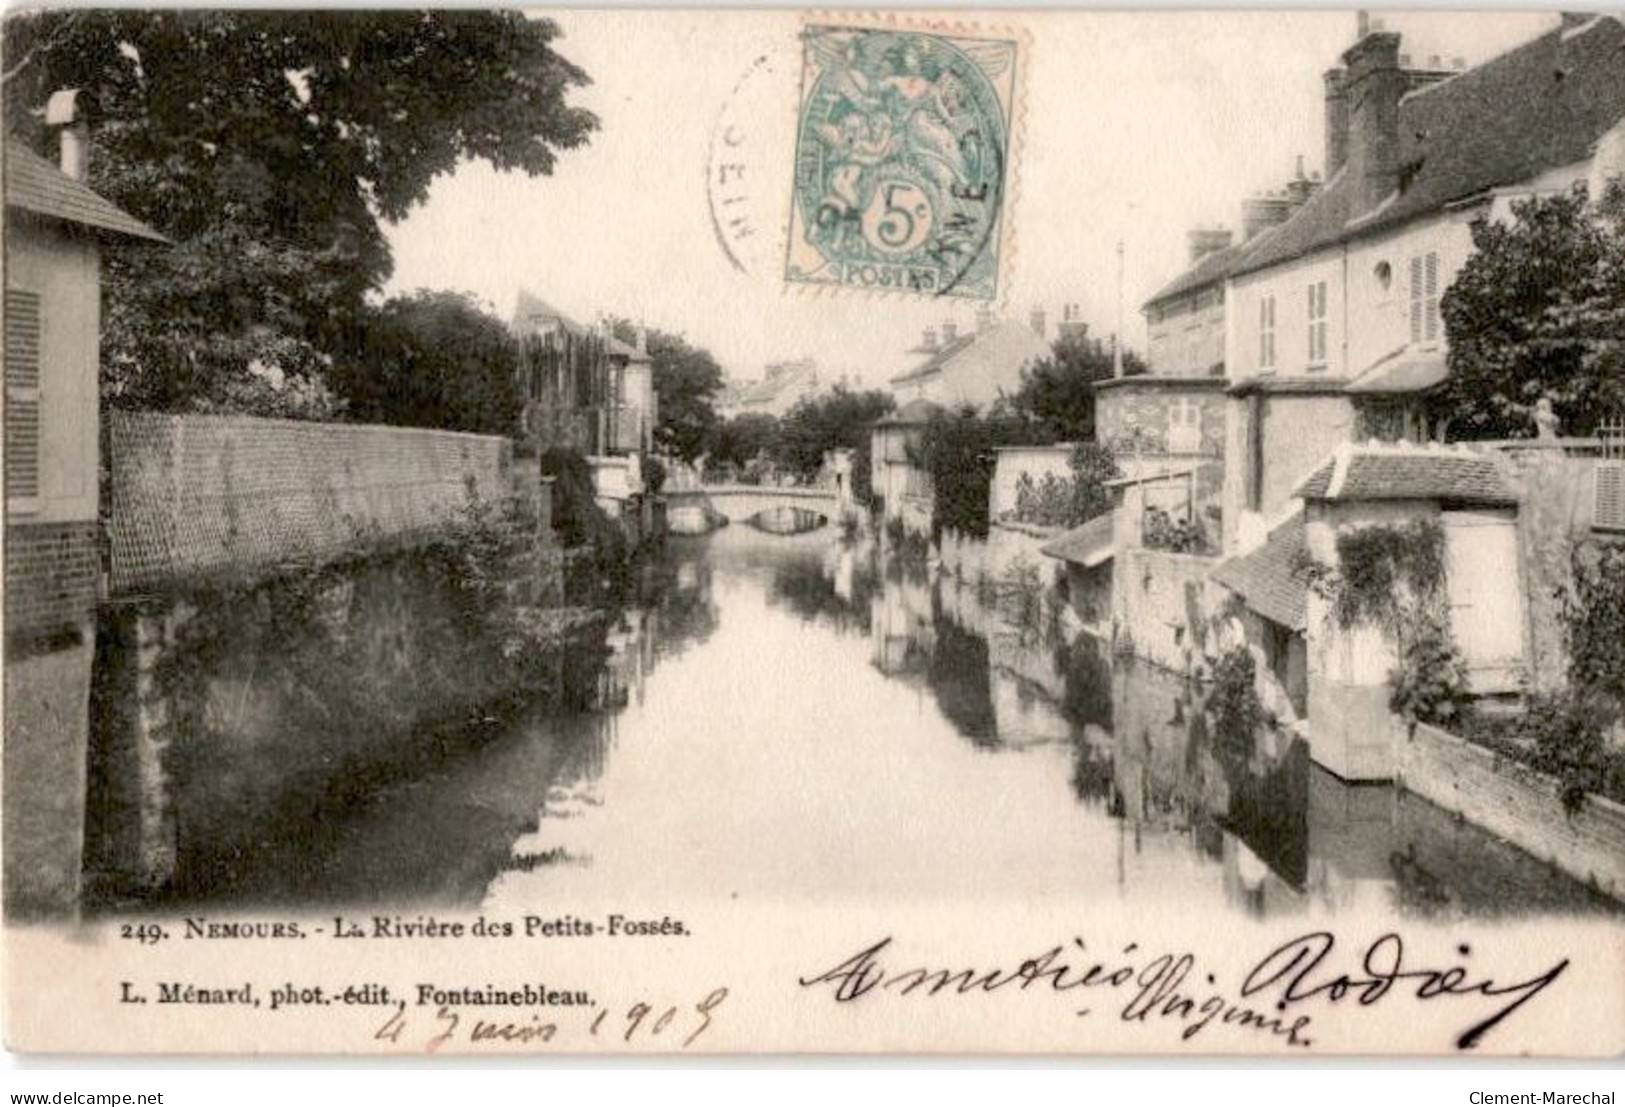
34	185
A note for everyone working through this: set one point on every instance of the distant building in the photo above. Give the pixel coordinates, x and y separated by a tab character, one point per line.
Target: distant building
784	384
582	387
54	229
974	368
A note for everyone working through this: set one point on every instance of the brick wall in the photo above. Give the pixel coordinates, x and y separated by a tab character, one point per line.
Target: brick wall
193	493
1517	803
51	576
1142	403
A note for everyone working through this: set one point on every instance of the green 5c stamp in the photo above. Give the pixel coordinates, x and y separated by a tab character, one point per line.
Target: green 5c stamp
902	163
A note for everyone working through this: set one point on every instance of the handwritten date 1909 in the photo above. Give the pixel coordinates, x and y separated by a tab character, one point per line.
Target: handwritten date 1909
640	1022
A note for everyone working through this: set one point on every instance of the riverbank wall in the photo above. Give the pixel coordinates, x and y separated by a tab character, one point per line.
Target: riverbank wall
1516	802
295	612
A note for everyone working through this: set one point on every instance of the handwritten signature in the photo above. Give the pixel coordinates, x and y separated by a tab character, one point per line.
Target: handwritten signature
1168	986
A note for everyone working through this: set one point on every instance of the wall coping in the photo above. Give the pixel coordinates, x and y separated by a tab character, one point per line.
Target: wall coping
1168	382
1608	806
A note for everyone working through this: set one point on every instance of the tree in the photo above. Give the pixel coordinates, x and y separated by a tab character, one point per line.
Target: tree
433	359
740	440
1057	393
268	145
1538	310
838	419
686	377
957	450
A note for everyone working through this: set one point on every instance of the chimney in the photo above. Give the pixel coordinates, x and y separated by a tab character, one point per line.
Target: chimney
1300	187
1203	241
1038	321
950	331
62	110
1072	324
1337	121
643	341
984	319
928	340
1374	85
1263	211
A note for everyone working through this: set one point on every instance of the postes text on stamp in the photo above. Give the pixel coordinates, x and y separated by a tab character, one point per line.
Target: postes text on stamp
902	162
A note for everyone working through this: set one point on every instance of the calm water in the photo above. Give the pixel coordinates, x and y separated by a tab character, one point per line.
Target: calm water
784	718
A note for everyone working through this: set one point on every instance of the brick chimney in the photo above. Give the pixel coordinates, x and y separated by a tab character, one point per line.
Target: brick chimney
1374	85
1039	321
950	331
62	111
1203	241
928	340
984	320
1072	324
1337	121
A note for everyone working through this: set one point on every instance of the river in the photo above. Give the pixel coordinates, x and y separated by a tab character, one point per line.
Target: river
786	718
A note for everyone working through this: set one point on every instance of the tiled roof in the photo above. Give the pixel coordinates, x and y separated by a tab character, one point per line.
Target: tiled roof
1405	472
1088	545
1211	269
937	360
1404	371
1540	106
1313	487
529	309
34	185
1273	580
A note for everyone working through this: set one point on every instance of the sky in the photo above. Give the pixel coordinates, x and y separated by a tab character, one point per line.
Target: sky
1137	127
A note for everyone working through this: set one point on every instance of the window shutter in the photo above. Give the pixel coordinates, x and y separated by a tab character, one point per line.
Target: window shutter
1416	299
1609	511
1431	298
22	371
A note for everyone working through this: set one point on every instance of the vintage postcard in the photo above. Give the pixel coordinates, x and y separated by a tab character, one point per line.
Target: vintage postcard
704	532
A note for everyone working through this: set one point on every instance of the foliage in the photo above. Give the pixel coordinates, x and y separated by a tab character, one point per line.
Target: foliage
654	474
268	145
1429	685
741	439
956	449
581	524
433	359
1068	501
1375	563
1233	701
686	377
1161	531
1057	393
1538	310
1020	595
1568	733
1594	619
838	419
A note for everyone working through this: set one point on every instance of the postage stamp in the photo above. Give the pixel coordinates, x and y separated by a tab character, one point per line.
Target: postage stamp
902	161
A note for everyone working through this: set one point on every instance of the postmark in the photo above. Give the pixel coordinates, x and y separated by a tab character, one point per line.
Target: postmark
903	160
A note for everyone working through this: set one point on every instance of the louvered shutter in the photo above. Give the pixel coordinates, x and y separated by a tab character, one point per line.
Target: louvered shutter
1416	299
1609	511
1430	306
22	370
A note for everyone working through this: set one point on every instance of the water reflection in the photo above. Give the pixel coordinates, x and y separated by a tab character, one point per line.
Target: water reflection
796	718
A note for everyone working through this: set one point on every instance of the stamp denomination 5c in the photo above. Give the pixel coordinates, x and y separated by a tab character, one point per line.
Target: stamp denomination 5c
902	161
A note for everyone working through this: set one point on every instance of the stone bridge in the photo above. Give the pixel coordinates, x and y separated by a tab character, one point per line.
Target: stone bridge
740	502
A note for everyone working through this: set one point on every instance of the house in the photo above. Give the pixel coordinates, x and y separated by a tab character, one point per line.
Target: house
901	488
1086	552
55	229
784	384
972	369
583	387
1333	328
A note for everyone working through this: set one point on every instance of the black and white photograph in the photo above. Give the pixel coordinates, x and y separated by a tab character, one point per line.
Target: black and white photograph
734	532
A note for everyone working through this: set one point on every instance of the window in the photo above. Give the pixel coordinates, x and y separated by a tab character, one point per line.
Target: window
1317	323
1184	426
22	373
1425	298
1266	332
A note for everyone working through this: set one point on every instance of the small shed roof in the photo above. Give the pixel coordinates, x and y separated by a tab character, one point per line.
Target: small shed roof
1088	545
1406	370
34	185
1273	579
1377	471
